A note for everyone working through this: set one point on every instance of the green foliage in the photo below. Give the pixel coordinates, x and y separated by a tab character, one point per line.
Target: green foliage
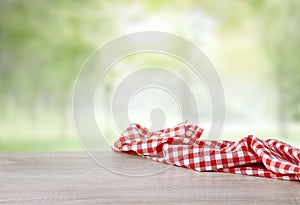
43	45
280	36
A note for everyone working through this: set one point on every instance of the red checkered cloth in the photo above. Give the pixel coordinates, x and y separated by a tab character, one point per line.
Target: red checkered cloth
181	146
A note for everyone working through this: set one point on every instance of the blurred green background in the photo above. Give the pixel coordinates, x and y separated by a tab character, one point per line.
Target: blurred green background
254	45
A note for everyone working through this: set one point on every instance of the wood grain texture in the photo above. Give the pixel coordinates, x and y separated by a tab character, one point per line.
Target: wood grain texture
74	178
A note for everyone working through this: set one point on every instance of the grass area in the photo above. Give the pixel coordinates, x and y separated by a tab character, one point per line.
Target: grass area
292	137
65	144
68	145
41	146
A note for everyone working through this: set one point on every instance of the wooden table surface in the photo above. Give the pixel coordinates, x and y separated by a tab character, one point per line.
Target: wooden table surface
74	178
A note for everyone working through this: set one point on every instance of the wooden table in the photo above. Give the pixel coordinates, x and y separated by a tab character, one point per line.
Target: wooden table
74	178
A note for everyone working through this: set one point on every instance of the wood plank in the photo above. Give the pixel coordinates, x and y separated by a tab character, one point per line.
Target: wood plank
74	178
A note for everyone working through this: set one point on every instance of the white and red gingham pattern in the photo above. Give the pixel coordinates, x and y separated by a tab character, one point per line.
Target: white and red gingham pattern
181	146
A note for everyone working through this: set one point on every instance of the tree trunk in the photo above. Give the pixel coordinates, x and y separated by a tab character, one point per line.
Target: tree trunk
281	101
